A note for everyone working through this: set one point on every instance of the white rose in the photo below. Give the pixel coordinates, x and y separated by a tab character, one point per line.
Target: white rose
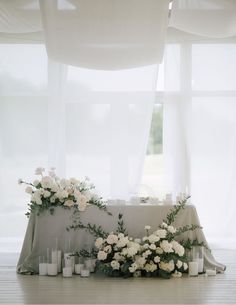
112	239
54	188
74	181
36	197
140	261
102	255
29	190
133	268
122	242
145	238
150	267
146	253
147	227
157	259
117	256
153	238
152	247
170	266
69	203
185	265
166	246
39	170
145	246
179	249
121	235
164	225
99	242
179	264
82	203
77	194
107	249
132	251
171	229
137	240
161	233
46	182
64	183
115	265
52	199
36	182
159	250
124	251
176	274
46	194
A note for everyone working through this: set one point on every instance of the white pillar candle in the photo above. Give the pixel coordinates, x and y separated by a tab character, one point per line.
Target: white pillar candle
67	272
84	273
210	272
43	269
200	265
52	269
193	268
78	268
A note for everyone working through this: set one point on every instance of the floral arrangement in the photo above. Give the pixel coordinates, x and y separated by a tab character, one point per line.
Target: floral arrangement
158	253
49	191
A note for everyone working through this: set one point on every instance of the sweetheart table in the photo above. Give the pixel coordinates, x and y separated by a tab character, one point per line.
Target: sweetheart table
43	230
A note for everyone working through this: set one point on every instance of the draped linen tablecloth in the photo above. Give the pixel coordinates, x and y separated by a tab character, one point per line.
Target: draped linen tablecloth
43	230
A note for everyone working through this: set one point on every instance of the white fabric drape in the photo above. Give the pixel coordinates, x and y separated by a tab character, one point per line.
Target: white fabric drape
17	17
212	18
200	132
105	34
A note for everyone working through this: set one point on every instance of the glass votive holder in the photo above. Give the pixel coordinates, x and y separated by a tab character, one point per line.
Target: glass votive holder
211	272
67	272
79	264
84	273
42	266
90	264
197	255
69	261
78	268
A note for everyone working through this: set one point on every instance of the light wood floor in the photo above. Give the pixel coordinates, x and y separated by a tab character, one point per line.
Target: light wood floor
26	289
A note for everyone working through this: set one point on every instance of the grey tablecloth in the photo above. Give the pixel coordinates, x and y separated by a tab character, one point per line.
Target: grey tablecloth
42	230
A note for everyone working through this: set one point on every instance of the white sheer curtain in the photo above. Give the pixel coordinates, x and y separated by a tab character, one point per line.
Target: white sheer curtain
105	126
84	122
200	129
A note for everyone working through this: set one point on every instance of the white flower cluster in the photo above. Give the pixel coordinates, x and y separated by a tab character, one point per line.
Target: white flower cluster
157	251
50	190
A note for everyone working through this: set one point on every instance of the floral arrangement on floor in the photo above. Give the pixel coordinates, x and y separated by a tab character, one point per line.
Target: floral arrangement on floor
49	191
158	253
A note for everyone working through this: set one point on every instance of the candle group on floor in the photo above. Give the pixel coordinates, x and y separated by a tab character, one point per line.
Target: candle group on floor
54	265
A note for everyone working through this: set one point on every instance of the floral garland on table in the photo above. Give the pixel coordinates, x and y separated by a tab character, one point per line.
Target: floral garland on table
49	191
156	254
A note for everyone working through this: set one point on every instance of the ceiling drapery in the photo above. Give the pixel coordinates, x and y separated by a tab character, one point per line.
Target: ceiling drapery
105	34
112	34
